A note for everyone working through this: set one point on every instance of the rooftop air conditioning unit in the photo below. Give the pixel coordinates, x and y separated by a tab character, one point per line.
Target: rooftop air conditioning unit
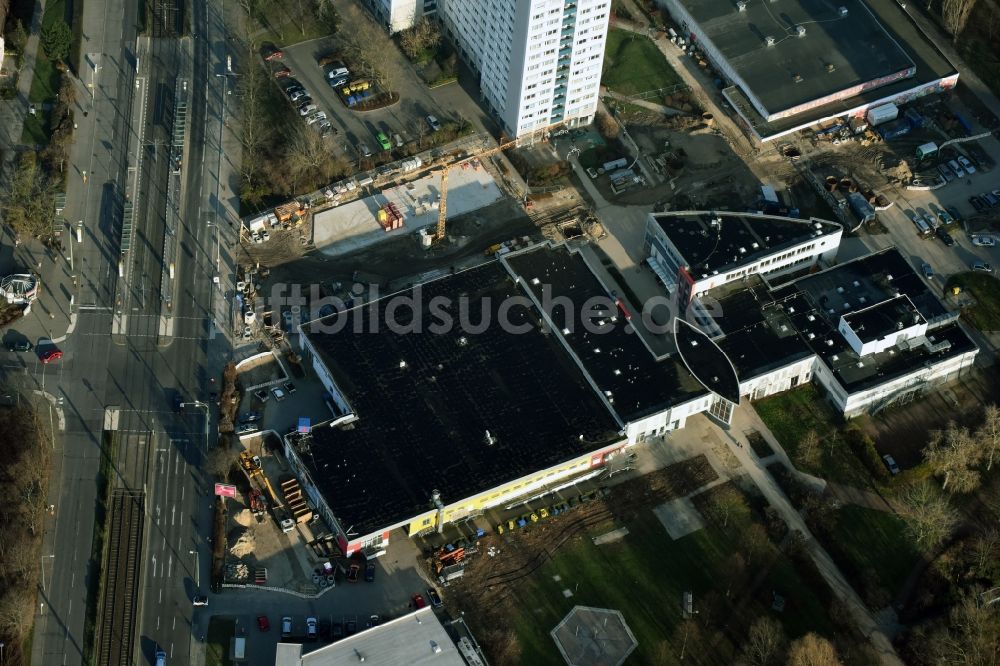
741	5
800	30
769	40
842	11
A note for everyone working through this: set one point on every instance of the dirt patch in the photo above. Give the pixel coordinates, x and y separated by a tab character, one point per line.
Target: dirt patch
903	431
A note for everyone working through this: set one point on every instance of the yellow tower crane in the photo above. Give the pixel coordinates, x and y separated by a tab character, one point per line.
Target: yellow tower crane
488	152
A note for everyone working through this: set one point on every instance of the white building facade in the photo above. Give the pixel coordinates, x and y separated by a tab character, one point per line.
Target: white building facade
539	61
398	15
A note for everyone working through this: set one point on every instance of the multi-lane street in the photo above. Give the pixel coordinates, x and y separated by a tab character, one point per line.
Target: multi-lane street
130	358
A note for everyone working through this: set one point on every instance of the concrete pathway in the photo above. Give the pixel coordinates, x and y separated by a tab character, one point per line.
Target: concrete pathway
863	617
13	111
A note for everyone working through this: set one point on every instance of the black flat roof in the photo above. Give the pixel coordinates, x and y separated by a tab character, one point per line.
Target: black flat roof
615	357
723	241
930	64
764	329
879	320
425	401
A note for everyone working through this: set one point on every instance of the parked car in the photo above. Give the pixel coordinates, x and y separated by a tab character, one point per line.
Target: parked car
945	173
955	215
312	629
290	388
281	72
982	266
337	631
977	203
383	141
945	237
370	572
944	217
434	123
417	600
250	417
306	109
315	118
364	150
261	395
279	394
966	164
353	572
50	355
263	623
199	600
983	241
247	428
890	464
373	621
435	598
958	170
398	140
271	52
286	627
160	656
927	271
19	346
297	94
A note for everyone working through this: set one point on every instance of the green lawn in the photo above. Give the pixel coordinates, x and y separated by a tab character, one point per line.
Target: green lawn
36	130
791	414
633	64
644	576
875	540
220	631
284	28
985	314
45	83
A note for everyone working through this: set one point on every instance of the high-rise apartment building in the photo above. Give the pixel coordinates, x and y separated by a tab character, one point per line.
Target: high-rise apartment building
539	61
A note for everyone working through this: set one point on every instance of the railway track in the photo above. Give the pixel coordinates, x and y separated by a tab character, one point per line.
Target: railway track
167	18
119	593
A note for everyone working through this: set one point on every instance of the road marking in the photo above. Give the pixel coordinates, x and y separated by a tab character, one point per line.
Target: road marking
170	565
72	580
154	566
173	511
161	596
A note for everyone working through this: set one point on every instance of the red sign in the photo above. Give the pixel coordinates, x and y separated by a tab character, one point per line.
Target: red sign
224	490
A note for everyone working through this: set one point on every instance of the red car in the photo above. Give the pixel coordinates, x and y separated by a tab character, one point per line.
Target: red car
262	623
50	355
353	572
271	52
418	600
282	72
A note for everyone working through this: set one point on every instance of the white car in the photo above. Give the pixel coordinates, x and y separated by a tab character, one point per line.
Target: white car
279	394
286	626
311	627
315	118
966	164
433	122
983	241
307	109
398	140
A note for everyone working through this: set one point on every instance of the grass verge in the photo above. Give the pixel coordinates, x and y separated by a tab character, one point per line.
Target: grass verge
285	28
109	452
633	64
220	630
985	314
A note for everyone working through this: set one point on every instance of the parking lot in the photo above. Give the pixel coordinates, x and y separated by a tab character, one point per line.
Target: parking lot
358	129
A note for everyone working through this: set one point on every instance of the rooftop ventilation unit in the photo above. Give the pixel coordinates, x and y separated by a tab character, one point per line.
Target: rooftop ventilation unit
862	299
829	342
741	6
812	336
861	364
830	69
842	11
818	225
743	250
856	283
755	245
811	317
840	290
796	78
769	40
791	310
800	30
834	358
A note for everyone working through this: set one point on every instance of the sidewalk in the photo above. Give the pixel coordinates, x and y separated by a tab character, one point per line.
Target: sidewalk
13	111
50	317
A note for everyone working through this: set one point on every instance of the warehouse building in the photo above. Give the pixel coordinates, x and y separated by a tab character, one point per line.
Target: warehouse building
790	64
435	424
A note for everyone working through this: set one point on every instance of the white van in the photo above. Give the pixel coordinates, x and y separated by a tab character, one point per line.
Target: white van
161	658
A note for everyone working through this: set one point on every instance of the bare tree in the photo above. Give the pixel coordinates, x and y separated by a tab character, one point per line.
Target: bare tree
812	650
16	613
987	436
370	49
726	502
986	551
929	517
952	453
253	117
755	542
764	641
971	635
955	14
421	38
219	462
808	454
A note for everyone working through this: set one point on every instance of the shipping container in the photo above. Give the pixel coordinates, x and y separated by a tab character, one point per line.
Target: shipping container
926	150
882	114
862	209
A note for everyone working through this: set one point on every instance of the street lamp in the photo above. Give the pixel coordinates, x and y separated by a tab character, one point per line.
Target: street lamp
40	559
200	405
197	568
